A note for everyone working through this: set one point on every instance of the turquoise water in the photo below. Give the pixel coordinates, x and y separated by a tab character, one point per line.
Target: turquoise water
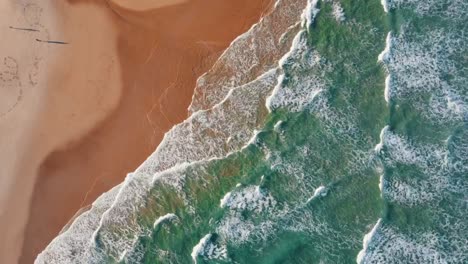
350	145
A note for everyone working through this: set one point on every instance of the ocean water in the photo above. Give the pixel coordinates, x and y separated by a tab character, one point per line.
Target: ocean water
330	132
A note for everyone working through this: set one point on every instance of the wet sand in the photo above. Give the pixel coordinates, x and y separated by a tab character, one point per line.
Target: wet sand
107	99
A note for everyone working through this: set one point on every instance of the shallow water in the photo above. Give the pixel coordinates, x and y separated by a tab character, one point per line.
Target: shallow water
351	146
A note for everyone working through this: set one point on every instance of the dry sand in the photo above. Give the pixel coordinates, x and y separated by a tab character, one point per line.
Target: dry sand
57	93
76	117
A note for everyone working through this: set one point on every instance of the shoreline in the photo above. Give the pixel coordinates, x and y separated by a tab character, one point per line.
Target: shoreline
74	174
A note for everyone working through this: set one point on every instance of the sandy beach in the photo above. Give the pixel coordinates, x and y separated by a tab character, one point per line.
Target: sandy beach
78	113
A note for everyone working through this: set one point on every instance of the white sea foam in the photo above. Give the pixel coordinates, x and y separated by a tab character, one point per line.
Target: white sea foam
384	5
381	184
384	55
387	91
321	191
164	218
251	198
296	45
278	125
400	150
268	101
208	250
392	246
253	139
434	161
365	242
277	2
286	35
113	223
251	54
200	247
225	200
236	229
379	146
76	239
296	98
418	60
418	69
454	10
309	14
338	12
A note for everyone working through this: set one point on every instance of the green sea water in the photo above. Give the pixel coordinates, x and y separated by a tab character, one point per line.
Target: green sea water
351	160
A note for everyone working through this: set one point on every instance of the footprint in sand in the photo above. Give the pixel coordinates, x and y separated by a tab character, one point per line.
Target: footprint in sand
32	19
33	75
11	92
32	14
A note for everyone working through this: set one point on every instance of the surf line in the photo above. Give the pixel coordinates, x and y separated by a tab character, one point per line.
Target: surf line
25	29
52	42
